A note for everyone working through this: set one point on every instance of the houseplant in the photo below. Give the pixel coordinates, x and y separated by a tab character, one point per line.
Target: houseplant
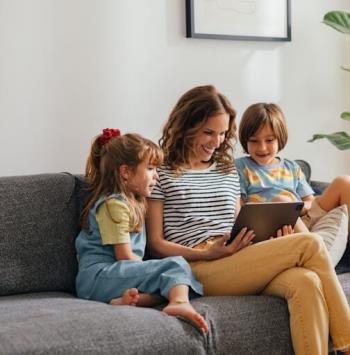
340	21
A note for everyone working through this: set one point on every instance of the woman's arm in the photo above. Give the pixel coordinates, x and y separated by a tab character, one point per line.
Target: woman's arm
162	248
124	252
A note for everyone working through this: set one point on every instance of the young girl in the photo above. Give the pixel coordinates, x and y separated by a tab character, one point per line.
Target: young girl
191	212
120	173
264	177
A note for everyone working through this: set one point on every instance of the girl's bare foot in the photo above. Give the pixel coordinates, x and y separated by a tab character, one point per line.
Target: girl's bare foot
129	298
186	311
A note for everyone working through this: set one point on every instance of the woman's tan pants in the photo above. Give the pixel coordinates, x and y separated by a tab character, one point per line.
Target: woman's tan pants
297	268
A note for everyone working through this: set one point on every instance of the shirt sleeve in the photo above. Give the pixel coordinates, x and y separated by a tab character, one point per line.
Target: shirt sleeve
243	181
113	218
303	188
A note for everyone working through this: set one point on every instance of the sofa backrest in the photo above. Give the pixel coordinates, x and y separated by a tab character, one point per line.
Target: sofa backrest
38	226
305	167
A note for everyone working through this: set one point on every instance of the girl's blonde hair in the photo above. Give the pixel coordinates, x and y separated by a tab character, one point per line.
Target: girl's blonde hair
256	117
103	172
187	117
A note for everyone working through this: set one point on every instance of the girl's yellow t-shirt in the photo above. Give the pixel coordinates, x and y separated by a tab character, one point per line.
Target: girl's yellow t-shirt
113	220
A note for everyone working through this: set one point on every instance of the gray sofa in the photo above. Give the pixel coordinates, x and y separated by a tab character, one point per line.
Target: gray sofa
40	314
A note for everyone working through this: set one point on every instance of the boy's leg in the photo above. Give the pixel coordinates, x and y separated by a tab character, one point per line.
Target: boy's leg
336	194
300	226
250	270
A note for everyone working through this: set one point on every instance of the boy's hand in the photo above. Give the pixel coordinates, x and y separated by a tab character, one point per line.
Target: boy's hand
285	230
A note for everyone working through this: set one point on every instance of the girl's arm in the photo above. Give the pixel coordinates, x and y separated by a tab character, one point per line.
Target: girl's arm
307	204
124	252
162	248
113	218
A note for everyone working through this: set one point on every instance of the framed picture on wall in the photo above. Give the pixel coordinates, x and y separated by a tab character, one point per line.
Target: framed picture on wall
245	20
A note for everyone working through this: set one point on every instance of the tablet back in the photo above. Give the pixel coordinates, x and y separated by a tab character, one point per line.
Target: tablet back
266	218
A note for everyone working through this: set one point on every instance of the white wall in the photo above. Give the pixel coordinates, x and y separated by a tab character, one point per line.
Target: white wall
69	68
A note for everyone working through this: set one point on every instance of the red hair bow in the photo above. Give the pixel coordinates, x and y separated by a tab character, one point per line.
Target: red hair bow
107	134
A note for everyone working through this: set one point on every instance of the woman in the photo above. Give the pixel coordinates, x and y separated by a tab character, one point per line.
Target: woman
192	209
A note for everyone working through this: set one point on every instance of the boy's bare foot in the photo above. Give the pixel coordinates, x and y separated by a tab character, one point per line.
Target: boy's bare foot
186	311
129	298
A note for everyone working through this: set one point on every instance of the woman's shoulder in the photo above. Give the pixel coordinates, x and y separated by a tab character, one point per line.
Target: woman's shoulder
165	170
166	173
229	170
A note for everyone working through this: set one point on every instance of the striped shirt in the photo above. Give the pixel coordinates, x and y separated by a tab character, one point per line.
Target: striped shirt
198	204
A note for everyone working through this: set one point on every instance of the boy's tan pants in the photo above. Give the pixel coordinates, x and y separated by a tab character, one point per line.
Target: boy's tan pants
296	267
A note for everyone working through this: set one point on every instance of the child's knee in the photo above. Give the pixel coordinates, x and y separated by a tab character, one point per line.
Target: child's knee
178	262
342	181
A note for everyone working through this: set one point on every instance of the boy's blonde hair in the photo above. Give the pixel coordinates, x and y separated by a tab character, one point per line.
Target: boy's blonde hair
256	117
187	117
103	172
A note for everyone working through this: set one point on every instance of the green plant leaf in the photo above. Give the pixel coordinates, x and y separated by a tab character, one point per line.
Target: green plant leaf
345	68
345	116
339	20
339	139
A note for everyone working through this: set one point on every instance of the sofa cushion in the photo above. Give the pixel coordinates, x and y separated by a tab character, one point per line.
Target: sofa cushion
57	323
38	224
333	228
343	265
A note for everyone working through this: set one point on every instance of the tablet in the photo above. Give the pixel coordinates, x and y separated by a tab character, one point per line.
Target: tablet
266	218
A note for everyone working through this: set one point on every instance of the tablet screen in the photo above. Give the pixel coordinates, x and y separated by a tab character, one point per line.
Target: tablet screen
266	218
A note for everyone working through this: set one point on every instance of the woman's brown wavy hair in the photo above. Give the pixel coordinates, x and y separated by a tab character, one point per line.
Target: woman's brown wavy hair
187	117
103	178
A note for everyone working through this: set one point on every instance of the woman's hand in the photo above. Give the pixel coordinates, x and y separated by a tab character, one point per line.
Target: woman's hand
219	249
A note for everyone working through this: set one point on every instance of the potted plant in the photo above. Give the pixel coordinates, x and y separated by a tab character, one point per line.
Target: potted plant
340	21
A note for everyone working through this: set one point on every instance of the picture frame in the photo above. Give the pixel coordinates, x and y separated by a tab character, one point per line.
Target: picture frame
242	20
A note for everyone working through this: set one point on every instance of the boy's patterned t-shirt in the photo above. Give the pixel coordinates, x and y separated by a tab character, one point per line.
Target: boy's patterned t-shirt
275	182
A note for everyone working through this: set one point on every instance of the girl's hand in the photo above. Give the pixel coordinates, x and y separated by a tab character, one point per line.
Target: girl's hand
285	230
124	252
219	249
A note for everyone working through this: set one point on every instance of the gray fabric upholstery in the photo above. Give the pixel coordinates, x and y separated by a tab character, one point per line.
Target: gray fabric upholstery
305	167
38	224
58	323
